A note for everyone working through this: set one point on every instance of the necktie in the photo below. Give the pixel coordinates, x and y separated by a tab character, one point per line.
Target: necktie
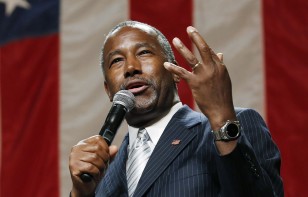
138	157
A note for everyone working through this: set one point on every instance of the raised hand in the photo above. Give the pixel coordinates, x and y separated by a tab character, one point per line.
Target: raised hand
209	80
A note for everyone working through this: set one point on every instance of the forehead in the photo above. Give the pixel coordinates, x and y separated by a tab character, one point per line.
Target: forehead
138	26
132	35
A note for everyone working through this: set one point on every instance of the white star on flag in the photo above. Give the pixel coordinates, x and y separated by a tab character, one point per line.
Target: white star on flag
10	5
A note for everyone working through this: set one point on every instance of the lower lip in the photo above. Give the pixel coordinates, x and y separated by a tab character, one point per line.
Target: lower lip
138	90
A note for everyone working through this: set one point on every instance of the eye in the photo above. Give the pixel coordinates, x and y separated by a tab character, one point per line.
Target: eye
144	52
116	60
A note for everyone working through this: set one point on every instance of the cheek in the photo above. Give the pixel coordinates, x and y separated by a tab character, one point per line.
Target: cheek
114	81
158	71
154	69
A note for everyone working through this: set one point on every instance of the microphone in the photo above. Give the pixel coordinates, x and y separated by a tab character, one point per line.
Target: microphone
123	101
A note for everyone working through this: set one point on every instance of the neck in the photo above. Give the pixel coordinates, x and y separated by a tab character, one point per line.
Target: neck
136	119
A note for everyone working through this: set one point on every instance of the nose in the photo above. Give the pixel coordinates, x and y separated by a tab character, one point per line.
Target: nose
133	67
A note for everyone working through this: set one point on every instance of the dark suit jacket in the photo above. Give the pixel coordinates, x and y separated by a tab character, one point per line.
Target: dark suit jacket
194	168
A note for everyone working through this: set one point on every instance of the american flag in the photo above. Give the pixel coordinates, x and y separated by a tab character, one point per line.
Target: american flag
52	92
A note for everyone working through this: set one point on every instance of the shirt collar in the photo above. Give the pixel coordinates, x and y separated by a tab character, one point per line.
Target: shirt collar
155	130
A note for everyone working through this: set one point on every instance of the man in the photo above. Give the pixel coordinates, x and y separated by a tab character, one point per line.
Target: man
220	152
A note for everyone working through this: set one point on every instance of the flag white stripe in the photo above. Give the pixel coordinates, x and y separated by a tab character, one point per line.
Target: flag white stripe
235	29
84	104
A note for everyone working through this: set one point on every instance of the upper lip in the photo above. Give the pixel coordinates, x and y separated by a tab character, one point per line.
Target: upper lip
135	83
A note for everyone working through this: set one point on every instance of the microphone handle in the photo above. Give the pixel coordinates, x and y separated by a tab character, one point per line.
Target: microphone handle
109	129
112	122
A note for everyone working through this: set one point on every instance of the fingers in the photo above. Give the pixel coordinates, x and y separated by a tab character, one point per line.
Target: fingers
179	71
185	52
90	156
205	51
95	159
209	58
95	145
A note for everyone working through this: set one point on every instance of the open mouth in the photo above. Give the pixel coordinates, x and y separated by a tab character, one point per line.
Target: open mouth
137	87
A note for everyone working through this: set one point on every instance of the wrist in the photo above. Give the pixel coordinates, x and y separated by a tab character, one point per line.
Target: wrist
218	120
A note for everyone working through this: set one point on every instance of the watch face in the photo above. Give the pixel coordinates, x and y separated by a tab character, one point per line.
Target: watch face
232	130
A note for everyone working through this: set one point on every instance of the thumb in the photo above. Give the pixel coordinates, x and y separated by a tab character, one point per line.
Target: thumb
220	56
113	151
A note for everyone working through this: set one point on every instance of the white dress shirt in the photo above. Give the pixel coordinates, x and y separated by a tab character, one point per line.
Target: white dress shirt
155	130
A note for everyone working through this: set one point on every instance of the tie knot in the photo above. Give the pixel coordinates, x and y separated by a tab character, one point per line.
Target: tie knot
143	134
142	137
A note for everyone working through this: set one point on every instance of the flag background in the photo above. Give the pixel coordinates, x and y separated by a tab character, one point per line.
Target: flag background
52	92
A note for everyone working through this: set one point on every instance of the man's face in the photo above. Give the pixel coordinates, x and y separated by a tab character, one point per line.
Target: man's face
133	60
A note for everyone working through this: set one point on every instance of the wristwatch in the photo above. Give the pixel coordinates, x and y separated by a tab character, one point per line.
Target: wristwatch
228	132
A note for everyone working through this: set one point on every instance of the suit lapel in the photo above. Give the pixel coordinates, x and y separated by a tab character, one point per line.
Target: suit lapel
122	167
174	139
118	185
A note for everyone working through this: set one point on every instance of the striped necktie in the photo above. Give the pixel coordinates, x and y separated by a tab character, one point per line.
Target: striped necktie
138	157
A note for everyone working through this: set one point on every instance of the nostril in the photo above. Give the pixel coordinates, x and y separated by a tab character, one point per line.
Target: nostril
137	72
132	73
127	74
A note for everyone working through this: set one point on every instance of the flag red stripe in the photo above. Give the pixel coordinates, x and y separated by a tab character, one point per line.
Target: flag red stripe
285	34
30	100
171	17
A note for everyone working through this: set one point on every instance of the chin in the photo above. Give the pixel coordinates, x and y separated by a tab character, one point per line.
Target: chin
144	104
144	107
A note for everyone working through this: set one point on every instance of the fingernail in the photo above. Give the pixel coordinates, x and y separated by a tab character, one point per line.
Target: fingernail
191	29
168	65
220	56
177	41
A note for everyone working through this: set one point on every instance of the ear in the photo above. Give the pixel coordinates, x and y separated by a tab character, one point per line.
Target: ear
107	91
176	78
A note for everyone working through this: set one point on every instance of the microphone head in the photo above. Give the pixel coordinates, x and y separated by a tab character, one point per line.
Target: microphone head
125	98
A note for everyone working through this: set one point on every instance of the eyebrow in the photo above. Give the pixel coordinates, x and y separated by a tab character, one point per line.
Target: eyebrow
113	53
138	45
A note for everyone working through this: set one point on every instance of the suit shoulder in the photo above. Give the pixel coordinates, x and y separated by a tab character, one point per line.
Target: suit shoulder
245	111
